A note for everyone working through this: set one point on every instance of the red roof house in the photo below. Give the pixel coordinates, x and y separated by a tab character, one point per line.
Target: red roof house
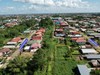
41	30
80	40
76	32
63	23
37	38
35	46
17	39
74	39
4	51
38	33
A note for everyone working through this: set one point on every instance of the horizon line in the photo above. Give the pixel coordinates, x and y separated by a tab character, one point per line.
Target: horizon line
51	13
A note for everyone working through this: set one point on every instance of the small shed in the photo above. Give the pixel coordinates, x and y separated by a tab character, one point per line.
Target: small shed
95	63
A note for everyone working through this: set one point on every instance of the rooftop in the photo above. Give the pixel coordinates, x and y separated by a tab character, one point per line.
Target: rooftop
87	51
83	70
5	50
93	56
17	39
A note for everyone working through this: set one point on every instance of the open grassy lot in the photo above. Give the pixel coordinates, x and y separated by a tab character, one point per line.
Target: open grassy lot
61	65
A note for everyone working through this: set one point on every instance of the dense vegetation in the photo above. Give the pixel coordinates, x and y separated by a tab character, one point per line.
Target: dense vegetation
16	67
95	72
47	22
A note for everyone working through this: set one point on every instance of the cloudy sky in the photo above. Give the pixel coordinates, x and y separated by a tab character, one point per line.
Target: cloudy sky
48	6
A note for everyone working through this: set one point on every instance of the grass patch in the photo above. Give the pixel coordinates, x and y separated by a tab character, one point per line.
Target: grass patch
62	66
76	52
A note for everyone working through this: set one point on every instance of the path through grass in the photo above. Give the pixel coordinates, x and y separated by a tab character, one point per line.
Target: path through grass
61	65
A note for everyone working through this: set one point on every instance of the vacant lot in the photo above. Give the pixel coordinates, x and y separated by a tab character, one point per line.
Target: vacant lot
61	65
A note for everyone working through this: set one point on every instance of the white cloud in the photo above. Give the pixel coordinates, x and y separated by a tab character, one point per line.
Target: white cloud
65	3
10	7
36	2
31	7
7	9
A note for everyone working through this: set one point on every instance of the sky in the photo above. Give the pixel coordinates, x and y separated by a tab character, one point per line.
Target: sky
48	6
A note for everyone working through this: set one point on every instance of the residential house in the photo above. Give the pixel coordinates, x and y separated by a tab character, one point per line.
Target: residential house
16	39
59	32
37	38
35	46
41	30
81	41
5	51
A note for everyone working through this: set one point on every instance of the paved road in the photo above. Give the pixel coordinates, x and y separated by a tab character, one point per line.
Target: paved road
16	53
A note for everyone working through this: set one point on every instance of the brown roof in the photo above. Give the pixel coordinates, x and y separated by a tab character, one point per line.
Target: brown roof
81	40
5	50
38	33
17	39
75	32
41	30
37	38
74	39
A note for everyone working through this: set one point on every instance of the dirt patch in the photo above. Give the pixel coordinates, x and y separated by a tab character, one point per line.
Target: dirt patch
27	54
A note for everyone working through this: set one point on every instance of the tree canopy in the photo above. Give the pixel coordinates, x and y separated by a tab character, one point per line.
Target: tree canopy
95	72
45	22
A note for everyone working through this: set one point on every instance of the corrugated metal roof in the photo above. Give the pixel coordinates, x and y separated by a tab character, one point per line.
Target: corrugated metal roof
92	56
83	70
88	50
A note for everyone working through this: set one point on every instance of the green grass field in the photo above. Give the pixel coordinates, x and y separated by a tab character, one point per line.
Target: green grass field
61	65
